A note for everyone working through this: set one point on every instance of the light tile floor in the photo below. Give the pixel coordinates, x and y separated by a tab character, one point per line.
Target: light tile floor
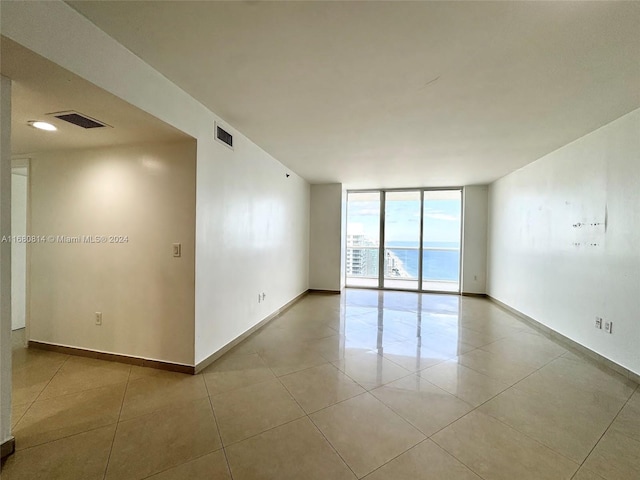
368	384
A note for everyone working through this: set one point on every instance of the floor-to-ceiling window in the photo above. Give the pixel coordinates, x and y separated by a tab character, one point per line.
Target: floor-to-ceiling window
441	236
404	239
363	239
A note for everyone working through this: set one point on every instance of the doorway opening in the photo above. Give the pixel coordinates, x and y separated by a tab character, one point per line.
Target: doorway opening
407	239
19	196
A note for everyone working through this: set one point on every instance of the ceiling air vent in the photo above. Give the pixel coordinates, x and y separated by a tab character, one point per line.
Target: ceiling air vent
79	119
223	136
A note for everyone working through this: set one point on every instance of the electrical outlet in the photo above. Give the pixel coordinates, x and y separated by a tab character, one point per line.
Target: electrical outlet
608	327
599	322
98	318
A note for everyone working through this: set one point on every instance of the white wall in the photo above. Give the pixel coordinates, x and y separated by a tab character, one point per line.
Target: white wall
5	263
252	238
474	239
252	227
325	242
18	250
145	193
534	264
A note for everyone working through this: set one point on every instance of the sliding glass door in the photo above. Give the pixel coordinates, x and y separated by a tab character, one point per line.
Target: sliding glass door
404	239
441	226
363	239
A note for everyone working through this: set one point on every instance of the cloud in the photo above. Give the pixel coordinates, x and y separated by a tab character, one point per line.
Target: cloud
443	216
366	212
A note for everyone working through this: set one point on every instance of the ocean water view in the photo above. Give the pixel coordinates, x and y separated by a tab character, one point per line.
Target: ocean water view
438	264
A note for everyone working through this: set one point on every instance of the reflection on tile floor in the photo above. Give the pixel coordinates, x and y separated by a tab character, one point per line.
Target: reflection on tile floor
367	384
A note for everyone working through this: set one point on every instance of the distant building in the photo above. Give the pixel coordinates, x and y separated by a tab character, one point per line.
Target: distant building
361	262
393	265
356	257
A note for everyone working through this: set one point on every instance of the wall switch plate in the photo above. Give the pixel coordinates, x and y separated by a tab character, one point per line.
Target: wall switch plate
98	318
608	327
177	249
599	322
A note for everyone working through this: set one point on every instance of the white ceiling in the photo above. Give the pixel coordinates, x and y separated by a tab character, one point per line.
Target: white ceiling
40	87
393	94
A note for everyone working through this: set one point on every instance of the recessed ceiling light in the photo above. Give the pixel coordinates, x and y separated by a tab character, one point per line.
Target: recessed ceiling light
43	126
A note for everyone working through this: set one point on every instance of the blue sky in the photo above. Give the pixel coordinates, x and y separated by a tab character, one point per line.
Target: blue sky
402	220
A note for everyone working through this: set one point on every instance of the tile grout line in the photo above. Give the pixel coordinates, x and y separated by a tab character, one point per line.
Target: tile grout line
268	429
494	396
489	377
39	394
500	421
420	443
457	459
425	368
410	422
360	384
91	389
23	414
427	437
539	441
294	372
215	419
331	446
308	416
400	454
92	429
113	440
515	330
637	389
71	434
51	379
265	431
199	456
179	465
475	371
157	409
